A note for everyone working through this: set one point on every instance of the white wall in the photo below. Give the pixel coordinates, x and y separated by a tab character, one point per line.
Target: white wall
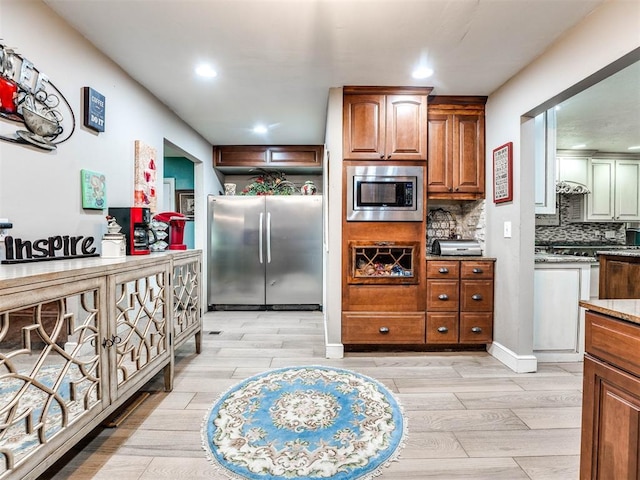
609	33
39	190
333	264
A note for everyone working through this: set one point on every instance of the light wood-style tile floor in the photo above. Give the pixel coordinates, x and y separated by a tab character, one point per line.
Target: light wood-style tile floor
469	416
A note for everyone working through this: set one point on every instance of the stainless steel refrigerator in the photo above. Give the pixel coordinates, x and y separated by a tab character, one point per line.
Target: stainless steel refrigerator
265	251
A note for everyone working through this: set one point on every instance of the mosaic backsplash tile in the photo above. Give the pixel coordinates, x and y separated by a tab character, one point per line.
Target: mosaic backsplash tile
592	233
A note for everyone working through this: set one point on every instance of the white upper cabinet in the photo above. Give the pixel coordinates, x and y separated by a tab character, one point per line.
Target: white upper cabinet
545	162
573	169
615	190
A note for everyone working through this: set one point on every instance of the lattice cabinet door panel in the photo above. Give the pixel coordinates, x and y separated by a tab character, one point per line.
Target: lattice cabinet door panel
52	374
140	338
187	313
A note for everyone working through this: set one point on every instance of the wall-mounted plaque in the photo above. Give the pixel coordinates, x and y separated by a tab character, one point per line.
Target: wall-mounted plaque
94	108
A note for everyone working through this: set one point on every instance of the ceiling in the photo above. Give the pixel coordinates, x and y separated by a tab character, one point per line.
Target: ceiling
277	59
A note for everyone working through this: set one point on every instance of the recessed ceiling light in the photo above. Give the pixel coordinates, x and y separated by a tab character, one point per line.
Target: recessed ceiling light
582	145
422	72
260	129
206	71
635	147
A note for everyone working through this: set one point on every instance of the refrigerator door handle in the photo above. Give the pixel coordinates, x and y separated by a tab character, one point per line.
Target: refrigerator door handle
268	237
260	237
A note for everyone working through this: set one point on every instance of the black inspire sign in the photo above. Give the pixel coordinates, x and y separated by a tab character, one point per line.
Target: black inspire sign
52	248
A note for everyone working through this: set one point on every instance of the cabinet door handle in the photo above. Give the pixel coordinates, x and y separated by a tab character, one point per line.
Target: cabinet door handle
476	296
443	329
443	296
382	156
443	270
477	270
389	157
476	329
384	330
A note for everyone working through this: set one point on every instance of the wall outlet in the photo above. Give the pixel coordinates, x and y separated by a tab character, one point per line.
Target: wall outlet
507	229
609	234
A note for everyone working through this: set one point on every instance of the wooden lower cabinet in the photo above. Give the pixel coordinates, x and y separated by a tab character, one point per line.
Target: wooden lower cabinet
610	443
459	301
619	276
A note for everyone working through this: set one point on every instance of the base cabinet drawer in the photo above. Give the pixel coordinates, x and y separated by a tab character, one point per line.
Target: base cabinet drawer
442	327
442	295
472	269
476	296
383	328
476	327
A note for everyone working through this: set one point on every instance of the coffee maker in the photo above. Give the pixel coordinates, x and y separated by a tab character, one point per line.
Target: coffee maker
135	227
176	222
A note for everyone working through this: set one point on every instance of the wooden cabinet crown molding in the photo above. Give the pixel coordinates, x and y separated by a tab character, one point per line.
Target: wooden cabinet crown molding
378	90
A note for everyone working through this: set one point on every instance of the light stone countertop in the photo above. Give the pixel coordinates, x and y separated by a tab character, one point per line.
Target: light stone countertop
459	257
623	309
556	258
18	274
620	253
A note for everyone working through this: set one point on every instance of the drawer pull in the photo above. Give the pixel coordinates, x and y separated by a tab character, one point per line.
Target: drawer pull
477	270
476	329
476	296
384	330
443	329
443	270
443	296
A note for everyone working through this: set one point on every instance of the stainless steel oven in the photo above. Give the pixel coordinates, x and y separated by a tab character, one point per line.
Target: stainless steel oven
385	193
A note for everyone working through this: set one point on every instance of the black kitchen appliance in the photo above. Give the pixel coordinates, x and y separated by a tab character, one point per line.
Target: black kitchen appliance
135	227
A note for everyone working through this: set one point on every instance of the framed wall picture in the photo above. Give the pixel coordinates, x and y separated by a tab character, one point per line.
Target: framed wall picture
145	172
185	203
503	173
94	190
94	109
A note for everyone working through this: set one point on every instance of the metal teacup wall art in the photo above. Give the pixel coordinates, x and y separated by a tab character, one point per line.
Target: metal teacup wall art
34	112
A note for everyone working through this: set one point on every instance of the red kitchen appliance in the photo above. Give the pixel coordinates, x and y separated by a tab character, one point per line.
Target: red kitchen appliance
135	227
176	222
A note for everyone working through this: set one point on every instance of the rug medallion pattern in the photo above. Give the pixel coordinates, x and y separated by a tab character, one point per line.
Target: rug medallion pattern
304	422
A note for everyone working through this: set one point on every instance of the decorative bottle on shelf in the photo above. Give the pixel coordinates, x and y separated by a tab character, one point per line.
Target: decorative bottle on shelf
309	188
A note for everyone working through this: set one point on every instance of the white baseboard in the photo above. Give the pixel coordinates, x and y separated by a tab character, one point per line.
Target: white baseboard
517	363
555	357
334	350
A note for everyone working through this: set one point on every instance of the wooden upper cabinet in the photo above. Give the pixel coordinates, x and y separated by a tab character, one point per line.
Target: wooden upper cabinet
383	123
456	163
280	156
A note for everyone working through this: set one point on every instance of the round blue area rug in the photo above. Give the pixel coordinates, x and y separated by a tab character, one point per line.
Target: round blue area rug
304	422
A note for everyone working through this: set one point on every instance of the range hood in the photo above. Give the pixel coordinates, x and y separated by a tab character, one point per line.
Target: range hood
567	187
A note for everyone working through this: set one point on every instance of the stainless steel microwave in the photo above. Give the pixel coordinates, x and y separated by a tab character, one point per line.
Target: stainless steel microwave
385	193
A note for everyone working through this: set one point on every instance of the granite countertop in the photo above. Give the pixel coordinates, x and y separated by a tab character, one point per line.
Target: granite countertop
557	258
430	256
625	309
620	253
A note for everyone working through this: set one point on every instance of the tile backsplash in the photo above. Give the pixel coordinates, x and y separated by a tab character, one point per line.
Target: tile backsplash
469	217
565	233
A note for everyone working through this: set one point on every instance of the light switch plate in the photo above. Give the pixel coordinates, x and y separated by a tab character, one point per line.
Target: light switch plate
507	229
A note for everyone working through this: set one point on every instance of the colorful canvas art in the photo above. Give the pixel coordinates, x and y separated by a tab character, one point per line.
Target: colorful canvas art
144	190
94	190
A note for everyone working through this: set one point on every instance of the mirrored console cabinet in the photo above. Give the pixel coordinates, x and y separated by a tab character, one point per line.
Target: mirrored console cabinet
78	338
